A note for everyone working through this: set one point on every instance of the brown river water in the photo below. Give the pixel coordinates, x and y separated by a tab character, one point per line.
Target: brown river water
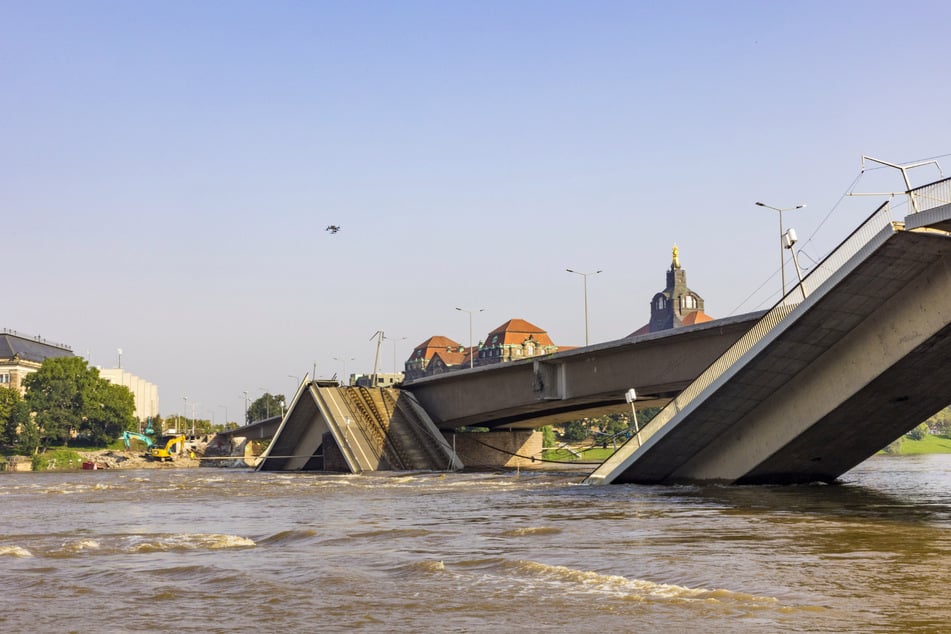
222	550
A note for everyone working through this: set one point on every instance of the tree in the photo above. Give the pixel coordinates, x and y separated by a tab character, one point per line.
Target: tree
940	423
919	432
266	406
28	436
12	410
67	396
108	412
575	430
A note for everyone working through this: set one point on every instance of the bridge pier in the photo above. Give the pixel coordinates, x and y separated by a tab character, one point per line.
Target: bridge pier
497	449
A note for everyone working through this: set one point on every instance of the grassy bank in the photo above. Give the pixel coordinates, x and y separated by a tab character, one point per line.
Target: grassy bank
907	447
928	444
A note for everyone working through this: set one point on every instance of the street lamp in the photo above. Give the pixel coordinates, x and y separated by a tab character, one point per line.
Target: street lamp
226	415
471	351
296	381
184	413
344	362
195	410
782	260
394	341
585	276
246	421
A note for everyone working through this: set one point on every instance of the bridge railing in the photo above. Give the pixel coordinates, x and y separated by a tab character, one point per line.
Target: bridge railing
855	242
829	266
932	195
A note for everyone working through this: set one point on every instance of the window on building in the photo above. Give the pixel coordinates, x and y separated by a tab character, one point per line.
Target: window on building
660	303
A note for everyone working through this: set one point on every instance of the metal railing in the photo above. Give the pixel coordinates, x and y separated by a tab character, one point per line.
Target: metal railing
932	195
37	338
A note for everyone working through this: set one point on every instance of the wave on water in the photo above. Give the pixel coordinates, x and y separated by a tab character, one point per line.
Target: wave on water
426	566
532	531
81	545
635	589
388	533
183	542
15	551
288	537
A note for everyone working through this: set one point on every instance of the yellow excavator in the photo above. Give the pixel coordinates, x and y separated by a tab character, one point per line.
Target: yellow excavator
168	447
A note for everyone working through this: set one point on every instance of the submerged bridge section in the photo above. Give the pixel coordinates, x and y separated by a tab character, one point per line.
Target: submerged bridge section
358	429
848	361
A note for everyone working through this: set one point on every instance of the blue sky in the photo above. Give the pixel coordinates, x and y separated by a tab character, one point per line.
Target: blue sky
168	168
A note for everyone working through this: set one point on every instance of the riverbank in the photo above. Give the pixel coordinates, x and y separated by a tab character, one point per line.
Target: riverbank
112	459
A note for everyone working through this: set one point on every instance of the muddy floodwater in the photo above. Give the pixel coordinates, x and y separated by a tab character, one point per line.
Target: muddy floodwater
219	550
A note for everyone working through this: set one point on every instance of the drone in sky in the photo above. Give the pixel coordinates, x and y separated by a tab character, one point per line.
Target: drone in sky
332	229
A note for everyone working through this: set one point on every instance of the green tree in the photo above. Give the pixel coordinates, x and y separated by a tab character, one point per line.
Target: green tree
941	422
575	430
919	432
28	436
67	396
267	406
8	399
14	416
108	412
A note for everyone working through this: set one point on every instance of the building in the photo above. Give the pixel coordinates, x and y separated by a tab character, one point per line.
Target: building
21	355
676	305
145	393
514	340
422	356
380	379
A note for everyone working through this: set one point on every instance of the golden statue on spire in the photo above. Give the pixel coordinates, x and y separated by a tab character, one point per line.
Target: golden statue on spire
675	264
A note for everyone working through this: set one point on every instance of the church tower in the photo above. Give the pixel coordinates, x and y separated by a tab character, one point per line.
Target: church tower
676	305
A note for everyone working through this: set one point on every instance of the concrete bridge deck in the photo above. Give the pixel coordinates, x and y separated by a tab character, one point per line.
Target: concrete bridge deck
589	381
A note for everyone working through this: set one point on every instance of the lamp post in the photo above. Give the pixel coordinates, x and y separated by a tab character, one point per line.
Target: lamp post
296	381
782	260
471	351
585	276
394	341
246	421
119	350
195	410
184	413
226	415
344	362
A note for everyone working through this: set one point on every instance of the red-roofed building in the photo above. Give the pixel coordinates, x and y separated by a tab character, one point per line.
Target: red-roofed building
418	363
676	305
515	339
